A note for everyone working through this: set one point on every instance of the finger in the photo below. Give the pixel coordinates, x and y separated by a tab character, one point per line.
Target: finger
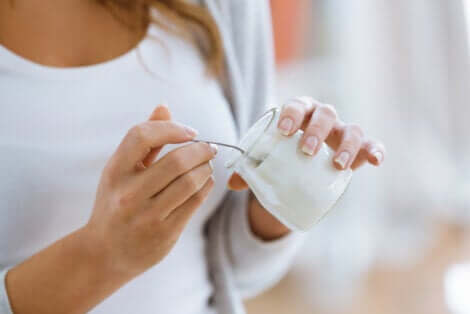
371	151
180	216
361	158
174	164
180	190
294	113
349	147
161	113
336	135
236	183
375	153
140	140
318	128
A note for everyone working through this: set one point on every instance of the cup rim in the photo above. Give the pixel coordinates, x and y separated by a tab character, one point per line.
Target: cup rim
273	112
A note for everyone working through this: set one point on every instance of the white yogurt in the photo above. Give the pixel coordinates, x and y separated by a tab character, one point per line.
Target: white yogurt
297	189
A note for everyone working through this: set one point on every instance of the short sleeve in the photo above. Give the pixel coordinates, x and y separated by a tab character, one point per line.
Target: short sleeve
5	306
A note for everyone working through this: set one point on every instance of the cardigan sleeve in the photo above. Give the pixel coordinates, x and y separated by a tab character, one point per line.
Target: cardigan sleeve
5	307
255	264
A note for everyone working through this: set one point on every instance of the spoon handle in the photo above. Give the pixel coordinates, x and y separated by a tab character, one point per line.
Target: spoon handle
221	144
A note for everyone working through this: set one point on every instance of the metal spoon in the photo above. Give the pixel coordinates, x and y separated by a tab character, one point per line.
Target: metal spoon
256	161
221	144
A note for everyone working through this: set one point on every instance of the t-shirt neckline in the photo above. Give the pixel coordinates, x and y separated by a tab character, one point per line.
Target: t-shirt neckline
12	62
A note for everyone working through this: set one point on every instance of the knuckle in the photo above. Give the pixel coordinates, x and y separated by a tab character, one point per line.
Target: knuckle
125	198
369	144
367	140
135	131
190	182
109	172
138	132
306	102
350	145
378	145
339	124
329	111
355	130
177	162
110	178
382	148
315	128
292	108
307	99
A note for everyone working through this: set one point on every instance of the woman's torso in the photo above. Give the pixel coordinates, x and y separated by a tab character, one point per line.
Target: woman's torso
58	127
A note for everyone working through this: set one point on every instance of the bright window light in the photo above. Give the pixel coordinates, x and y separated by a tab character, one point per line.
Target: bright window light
457	287
467	13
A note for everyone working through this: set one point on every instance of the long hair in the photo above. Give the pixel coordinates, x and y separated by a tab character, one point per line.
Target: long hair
189	20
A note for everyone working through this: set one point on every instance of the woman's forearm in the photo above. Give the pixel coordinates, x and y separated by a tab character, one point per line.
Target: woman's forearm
73	275
262	223
69	276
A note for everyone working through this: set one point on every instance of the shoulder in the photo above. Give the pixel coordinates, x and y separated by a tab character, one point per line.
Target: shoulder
247	32
241	14
246	24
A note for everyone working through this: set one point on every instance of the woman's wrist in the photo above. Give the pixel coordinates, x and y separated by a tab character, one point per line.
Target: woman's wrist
262	223
101	256
72	272
100	259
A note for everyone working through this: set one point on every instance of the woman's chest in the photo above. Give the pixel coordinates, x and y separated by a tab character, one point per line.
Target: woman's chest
55	138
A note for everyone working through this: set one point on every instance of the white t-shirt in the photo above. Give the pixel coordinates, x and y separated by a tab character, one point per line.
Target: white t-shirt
58	127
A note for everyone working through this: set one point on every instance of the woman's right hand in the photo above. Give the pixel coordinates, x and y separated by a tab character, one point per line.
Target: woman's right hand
141	209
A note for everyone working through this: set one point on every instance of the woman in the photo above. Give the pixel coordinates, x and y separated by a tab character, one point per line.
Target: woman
74	77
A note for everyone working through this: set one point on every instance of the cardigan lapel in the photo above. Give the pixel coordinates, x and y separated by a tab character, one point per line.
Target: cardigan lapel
232	78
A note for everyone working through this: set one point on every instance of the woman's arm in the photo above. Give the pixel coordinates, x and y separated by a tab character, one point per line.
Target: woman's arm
244	237
237	254
264	225
320	124
140	210
70	276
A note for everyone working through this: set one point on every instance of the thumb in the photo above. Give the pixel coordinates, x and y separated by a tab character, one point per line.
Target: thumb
236	183
161	112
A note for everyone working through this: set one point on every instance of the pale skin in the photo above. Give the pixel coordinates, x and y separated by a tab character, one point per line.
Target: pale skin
142	204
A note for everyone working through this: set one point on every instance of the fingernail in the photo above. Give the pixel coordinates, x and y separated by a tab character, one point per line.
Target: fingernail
214	148
378	157
211	165
310	145
286	126
342	159
190	131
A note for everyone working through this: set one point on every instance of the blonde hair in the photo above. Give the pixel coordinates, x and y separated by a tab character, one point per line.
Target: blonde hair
190	21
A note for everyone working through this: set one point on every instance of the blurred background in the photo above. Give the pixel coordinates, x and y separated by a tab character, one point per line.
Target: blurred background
399	241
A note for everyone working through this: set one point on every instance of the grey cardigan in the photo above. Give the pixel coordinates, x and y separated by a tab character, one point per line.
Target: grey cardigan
240	264
244	268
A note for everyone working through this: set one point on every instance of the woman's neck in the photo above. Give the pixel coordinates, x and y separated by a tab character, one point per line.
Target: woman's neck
65	33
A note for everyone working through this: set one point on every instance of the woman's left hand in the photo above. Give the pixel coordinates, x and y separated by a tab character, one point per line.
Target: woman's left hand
320	123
